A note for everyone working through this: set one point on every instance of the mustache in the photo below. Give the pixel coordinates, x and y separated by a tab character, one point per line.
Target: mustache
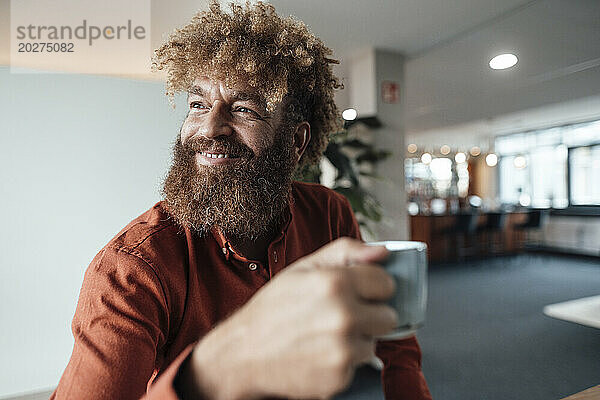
225	145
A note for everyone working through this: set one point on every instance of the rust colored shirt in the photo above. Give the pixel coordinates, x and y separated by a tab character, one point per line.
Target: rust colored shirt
155	289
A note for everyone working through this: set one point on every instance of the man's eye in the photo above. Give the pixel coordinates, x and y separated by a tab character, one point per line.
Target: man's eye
246	110
197	105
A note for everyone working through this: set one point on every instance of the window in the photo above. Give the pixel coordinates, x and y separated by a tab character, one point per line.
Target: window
552	167
584	170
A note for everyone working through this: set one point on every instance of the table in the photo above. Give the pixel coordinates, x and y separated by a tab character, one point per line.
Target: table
585	311
589	394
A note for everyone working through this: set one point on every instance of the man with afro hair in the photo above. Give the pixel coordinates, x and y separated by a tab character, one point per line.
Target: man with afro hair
242	283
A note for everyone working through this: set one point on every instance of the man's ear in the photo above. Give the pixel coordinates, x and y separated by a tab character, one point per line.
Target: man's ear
301	138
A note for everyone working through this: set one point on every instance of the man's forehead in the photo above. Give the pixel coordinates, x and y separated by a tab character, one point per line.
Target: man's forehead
239	91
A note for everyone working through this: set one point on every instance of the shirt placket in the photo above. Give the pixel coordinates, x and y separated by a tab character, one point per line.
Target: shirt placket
276	257
252	266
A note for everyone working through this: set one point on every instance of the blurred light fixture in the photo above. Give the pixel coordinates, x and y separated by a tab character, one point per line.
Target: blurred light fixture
503	61
412	148
445	149
460	158
426	158
413	208
491	160
525	200
520	162
438	206
475	201
349	114
475	151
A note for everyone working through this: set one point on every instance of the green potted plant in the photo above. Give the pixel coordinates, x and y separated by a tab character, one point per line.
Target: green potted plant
353	160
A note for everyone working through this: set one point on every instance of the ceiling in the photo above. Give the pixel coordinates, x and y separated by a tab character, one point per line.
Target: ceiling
448	44
558	45
407	26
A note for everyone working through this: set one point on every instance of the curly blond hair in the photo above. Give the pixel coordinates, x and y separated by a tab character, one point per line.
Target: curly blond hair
279	57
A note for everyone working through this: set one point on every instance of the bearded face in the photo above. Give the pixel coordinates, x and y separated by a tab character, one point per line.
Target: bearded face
245	198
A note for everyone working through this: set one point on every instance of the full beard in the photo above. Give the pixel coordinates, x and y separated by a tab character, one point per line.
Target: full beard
245	199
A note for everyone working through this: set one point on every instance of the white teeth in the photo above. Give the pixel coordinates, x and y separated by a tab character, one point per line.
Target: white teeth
212	155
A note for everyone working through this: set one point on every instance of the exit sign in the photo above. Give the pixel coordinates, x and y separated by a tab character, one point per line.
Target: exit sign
390	92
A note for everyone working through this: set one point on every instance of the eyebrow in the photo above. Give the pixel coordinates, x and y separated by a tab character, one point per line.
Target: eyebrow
236	95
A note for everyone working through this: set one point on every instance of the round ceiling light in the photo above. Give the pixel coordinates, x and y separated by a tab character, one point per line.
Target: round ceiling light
412	148
460	158
426	158
349	114
445	149
503	61
520	162
491	160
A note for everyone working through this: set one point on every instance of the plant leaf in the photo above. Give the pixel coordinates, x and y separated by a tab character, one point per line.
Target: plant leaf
341	162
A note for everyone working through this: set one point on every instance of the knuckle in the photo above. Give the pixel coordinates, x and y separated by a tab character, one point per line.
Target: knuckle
392	317
384	280
343	379
343	322
345	241
341	357
333	283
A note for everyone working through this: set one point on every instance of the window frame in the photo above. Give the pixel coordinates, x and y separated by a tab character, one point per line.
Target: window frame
591	210
579	208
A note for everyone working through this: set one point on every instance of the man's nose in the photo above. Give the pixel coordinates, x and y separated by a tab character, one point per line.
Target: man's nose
216	122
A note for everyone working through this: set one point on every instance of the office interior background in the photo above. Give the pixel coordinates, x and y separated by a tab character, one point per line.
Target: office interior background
498	170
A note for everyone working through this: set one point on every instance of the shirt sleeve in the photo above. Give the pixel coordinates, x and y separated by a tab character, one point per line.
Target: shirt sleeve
118	327
166	387
402	376
347	224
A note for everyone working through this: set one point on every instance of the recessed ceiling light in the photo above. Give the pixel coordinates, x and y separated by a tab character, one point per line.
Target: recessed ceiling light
491	160
412	148
475	151
503	61
349	114
445	149
520	162
460	158
426	158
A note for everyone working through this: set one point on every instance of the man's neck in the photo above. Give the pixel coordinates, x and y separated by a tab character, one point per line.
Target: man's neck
253	249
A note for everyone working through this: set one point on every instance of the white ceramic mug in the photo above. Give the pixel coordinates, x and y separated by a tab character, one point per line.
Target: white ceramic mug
407	264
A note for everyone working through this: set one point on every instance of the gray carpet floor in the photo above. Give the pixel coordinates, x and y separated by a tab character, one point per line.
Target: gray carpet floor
487	338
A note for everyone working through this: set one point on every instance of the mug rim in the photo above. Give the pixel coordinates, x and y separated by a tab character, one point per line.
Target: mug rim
399	245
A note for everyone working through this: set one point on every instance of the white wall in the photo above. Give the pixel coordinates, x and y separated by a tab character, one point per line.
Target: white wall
571	234
80	156
389	66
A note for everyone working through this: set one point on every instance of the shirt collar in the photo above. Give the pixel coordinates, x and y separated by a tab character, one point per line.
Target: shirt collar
230	251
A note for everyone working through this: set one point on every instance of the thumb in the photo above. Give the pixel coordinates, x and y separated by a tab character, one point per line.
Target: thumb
344	252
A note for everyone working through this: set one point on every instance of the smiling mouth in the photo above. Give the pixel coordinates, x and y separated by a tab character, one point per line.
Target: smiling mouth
210	158
216	155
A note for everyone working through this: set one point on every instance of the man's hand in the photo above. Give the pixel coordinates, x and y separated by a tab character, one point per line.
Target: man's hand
302	334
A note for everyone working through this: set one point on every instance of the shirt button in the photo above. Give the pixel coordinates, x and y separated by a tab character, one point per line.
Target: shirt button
252	266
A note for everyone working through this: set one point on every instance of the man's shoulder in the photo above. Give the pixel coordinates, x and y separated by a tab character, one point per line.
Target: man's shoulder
316	193
318	208
153	227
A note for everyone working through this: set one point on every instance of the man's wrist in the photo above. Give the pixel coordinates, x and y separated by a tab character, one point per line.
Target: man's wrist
185	382
209	373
